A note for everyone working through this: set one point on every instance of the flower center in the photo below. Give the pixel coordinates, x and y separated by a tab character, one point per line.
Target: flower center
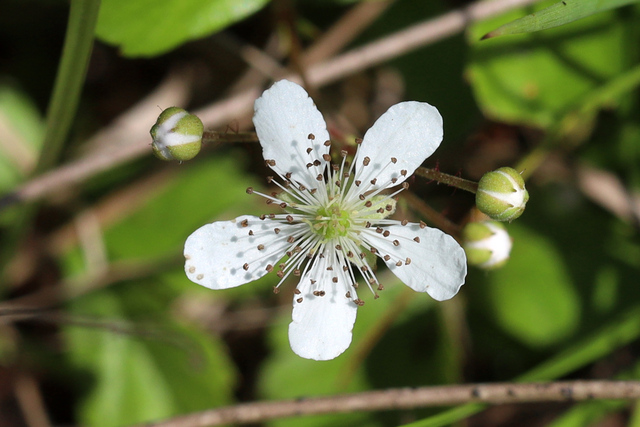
331	222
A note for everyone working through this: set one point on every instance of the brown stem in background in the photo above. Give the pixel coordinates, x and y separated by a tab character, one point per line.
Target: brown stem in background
431	215
405	398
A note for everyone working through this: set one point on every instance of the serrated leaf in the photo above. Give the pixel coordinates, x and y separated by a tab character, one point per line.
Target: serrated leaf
557	14
149	27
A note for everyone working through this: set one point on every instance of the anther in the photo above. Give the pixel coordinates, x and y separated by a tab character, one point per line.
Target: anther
348	294
271	163
269	179
334	280
290	239
272	216
335	168
381	210
373	181
389	208
309	150
380	287
407	261
394	180
379	230
249	190
260	247
399	264
319	177
283	205
330	268
262	217
299	300
357	183
416	239
358	141
311	136
338	247
359	302
368	203
316	162
309	165
361	197
366	161
394	160
396	243
327	143
403	172
287	175
349	254
297	291
289	218
296	272
422	224
373	250
276	230
367	225
405	185
280	274
326	157
386	233
343	153
269	268
276	290
245	223
250	232
387	257
404	222
245	266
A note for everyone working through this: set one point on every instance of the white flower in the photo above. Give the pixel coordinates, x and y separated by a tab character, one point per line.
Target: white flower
334	215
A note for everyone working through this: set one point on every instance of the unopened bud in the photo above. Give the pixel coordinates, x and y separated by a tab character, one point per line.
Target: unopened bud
487	244
177	135
501	194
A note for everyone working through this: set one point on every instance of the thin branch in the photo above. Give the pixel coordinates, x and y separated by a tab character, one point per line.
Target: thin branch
405	398
445	178
239	104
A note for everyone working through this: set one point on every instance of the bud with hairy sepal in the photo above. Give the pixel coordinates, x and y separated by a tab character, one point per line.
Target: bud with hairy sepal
177	135
501	194
487	244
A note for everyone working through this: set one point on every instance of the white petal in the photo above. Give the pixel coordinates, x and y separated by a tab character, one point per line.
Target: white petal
408	131
322	325
216	253
284	118
438	264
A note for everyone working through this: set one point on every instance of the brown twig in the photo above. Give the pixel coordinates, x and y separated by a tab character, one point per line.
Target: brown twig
499	393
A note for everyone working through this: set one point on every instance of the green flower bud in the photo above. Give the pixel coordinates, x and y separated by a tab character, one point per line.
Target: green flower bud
501	194
487	244
177	135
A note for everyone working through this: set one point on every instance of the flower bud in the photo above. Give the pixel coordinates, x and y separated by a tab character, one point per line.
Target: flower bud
501	194
487	244
177	135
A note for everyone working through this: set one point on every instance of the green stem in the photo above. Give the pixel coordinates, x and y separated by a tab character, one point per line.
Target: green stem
72	71
453	181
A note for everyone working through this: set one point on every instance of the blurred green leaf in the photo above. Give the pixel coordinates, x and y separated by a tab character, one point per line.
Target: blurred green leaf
555	15
149	27
146	372
532	296
533	79
21	133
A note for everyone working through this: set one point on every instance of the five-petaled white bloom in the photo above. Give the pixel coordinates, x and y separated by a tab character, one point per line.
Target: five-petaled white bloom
333	216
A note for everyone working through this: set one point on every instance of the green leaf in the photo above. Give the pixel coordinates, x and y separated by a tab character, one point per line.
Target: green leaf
143	373
534	79
555	15
149	27
22	132
532	297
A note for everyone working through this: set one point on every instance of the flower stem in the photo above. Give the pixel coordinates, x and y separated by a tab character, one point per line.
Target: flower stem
212	137
453	181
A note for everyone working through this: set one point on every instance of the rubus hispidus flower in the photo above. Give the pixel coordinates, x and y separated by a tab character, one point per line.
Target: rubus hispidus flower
334	216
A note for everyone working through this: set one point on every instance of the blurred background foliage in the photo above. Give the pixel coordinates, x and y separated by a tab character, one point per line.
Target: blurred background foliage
100	327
